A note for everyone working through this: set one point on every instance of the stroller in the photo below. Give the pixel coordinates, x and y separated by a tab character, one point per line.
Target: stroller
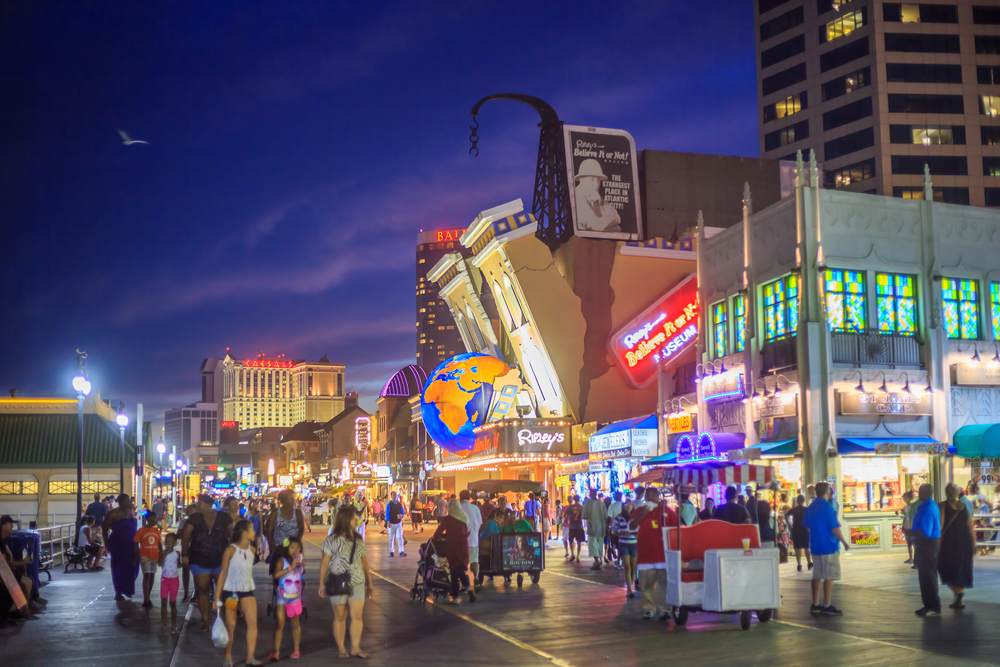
432	579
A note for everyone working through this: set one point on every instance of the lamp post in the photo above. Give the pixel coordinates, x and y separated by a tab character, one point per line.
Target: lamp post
122	421
174	466
81	385
160	449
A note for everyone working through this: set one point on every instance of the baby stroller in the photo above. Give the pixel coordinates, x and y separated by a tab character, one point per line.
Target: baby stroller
432	578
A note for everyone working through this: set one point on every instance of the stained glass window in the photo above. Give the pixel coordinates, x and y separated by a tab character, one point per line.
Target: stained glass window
739	322
896	302
960	303
719	329
995	310
781	307
846	300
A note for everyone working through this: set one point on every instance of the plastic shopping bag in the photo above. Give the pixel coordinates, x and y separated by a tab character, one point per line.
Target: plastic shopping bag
220	637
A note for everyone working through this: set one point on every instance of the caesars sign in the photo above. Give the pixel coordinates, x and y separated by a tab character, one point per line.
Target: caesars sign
603	183
662	332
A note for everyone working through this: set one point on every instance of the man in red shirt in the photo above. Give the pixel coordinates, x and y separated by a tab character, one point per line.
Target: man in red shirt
649	520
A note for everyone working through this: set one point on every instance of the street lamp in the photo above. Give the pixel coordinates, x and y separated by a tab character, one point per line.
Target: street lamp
160	449
122	421
81	385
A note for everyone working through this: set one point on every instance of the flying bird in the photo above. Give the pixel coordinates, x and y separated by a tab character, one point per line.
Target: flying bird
128	141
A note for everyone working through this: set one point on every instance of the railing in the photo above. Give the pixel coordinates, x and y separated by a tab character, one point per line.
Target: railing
992	534
779	354
872	348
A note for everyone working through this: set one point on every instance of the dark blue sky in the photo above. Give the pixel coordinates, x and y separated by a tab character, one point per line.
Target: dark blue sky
295	149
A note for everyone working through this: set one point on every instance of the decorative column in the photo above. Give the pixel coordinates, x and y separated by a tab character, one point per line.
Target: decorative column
703	319
750	347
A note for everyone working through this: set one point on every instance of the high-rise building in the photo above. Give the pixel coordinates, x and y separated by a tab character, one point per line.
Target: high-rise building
191	425
437	338
879	89
263	392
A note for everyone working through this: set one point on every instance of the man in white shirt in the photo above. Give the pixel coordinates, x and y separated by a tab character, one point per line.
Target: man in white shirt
475	523
614	509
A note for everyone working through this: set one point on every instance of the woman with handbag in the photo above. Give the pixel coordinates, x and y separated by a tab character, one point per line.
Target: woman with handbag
347	579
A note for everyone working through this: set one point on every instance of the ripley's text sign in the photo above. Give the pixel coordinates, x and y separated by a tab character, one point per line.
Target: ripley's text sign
661	333
603	179
877	403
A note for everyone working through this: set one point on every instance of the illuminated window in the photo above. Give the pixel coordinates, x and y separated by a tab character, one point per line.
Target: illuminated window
843	25
781	308
989	105
719	329
515	304
502	306
845	300
786	107
995	309
961	308
739	322
896	303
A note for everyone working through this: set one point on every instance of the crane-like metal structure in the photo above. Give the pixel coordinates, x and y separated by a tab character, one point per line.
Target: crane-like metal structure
550	203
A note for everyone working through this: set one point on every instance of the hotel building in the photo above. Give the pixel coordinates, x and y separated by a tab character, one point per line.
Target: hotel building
879	89
437	338
262	392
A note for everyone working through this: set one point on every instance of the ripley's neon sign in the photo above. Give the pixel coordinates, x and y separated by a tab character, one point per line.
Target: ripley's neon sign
267	363
660	333
528	437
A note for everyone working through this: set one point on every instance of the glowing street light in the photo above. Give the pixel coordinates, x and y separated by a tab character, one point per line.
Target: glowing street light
81	385
122	420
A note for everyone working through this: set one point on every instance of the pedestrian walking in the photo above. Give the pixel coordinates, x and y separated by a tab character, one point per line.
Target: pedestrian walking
288	594
394	513
454	529
306	508
626	544
546	514
326	511
825	538
531	510
475	523
648	520
958	544
687	511
574	523
733	511
926	549
364	513
147	551
285	521
236	587
189	511
204	542
119	532
907	511
595	512
800	534
765	525
709	511
97	509
344	551
170	583
416	514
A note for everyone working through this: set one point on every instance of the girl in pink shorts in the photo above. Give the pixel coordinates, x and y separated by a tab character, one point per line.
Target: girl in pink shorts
288	588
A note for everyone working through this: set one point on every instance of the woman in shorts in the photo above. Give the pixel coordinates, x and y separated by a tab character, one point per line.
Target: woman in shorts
627	545
337	559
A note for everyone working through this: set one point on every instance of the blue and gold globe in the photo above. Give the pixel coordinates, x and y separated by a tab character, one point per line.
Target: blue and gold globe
457	396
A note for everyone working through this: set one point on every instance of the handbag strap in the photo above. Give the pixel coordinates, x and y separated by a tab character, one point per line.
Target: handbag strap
951	520
354	546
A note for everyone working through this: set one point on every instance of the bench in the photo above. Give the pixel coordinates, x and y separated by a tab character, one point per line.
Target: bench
45	562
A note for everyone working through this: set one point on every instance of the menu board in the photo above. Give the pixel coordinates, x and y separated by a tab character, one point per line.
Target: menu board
898	536
521	551
866	536
869	469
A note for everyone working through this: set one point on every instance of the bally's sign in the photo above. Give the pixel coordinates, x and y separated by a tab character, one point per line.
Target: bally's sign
877	403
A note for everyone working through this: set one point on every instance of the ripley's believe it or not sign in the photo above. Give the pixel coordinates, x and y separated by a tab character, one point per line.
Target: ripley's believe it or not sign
662	332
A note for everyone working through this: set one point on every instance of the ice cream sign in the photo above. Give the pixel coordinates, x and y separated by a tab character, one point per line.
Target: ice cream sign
658	334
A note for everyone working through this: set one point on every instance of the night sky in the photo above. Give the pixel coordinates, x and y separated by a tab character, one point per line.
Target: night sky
295	150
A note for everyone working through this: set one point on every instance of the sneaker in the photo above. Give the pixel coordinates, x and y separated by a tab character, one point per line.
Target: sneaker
907	561
924	611
832	611
816	609
810	566
648	615
401	554
392	555
595	566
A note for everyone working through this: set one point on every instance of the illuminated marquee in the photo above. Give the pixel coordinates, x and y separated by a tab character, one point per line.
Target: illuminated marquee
227	424
362	433
660	333
267	363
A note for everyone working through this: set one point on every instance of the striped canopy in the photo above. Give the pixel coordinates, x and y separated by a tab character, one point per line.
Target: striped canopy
700	477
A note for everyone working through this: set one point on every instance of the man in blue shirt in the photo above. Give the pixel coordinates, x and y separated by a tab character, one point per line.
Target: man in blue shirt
926	531
98	510
825	538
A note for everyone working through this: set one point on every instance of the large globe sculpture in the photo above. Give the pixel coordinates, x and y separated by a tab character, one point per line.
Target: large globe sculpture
457	396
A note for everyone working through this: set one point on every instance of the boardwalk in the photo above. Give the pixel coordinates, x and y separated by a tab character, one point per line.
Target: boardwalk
573	617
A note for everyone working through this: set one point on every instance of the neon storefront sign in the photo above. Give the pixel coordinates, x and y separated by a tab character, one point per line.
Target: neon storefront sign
267	363
691	449
661	333
529	437
448	234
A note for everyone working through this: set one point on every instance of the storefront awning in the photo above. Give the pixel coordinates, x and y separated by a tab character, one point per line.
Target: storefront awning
890	446
662	459
651	477
977	441
646	422
780	448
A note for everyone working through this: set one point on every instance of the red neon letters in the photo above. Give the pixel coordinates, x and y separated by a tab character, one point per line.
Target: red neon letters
449	234
660	333
267	363
227	424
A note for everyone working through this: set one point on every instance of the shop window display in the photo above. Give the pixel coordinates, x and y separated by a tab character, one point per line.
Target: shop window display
896	304
960	305
877	483
846	302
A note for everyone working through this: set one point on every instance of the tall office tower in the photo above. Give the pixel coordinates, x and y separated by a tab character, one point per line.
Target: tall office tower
437	338
879	89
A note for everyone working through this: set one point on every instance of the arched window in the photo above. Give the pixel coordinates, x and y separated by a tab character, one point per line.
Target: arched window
503	307
515	304
537	368
463	329
474	328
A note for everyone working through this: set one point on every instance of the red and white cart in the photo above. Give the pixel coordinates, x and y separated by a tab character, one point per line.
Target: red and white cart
718	566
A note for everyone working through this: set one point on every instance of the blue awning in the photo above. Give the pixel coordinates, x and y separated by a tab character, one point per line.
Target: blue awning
662	459
780	448
978	441
647	422
892	446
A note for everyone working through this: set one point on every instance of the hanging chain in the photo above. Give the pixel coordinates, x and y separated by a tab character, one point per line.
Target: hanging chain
473	137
